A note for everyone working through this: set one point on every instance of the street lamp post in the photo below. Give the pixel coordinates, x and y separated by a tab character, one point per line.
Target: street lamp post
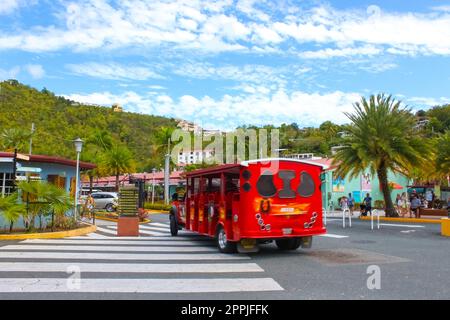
153	185
78	147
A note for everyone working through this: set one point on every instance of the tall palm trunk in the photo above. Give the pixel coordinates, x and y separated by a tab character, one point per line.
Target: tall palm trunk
91	183
382	177
11	226
117	182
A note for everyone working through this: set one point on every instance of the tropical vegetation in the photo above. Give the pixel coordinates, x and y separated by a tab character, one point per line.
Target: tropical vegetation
381	138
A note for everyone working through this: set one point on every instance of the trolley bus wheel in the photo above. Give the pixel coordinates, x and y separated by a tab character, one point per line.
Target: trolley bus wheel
288	244
173	225
223	244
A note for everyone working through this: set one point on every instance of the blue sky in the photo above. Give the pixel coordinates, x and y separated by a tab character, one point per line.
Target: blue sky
226	63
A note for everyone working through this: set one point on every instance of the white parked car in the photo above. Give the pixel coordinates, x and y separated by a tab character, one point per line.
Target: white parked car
106	200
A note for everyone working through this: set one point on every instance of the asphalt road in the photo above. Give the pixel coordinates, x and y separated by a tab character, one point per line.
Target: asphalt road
413	261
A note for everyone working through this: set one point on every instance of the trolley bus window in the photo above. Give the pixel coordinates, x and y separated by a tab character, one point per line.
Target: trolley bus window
307	185
286	176
232	184
265	186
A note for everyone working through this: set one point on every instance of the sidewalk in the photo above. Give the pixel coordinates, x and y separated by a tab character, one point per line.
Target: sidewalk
357	214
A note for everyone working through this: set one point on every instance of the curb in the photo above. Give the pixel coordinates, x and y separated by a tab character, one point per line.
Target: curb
115	220
156	211
410	220
50	235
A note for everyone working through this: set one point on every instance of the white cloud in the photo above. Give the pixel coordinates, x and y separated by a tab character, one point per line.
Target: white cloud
8	6
368	50
36	71
9	74
228	111
113	71
427	101
220	26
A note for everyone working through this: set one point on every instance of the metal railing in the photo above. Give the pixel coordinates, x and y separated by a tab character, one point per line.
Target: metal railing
349	218
375	211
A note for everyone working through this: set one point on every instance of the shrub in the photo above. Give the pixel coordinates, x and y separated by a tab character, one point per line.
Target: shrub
158	206
379	204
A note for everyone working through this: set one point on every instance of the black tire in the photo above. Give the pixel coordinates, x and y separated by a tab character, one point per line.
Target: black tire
288	244
223	244
109	207
173	225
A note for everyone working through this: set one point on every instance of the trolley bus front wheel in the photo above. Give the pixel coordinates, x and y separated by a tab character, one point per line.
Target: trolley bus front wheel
288	244
223	244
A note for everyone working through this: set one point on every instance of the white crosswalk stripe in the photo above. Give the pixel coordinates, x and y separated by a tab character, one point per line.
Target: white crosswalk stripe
127	265
140	285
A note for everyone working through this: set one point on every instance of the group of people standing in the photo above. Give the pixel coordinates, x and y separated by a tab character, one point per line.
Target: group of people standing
411	204
349	203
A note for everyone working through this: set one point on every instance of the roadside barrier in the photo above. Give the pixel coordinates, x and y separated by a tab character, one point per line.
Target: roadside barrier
349	218
378	219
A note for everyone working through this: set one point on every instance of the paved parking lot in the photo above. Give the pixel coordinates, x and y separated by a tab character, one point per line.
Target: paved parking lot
412	261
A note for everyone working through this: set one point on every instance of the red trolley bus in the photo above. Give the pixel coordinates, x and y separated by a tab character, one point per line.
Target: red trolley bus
257	201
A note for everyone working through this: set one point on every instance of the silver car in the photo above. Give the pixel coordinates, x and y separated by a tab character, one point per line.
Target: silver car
105	200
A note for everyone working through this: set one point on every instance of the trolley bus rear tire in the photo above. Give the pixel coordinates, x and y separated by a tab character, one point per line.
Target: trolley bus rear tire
173	225
288	244
223	244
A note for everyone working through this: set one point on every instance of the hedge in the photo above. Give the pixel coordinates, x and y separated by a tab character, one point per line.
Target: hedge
158	206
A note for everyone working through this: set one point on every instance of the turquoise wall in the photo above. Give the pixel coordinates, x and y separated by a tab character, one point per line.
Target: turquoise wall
330	197
47	169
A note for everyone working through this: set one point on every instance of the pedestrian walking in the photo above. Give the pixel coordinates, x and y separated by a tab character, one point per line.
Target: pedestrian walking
415	205
344	203
368	204
89	206
406	205
351	203
399	204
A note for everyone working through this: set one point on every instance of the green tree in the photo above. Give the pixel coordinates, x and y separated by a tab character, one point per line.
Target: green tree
14	139
443	156
116	161
11	210
44	199
381	138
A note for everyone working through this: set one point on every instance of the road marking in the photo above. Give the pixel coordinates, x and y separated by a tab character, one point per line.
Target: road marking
146	227
104	230
114	242
131	267
152	233
140	285
401	225
120	256
109	248
96	236
185	237
164	225
330	235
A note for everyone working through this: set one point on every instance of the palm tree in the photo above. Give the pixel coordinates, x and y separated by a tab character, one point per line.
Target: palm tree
14	139
116	161
43	199
11	210
99	142
381	137
443	155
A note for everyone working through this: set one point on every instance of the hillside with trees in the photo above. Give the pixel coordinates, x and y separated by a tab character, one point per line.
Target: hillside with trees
58	121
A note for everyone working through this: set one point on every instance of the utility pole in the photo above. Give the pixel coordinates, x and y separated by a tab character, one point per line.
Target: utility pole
31	138
167	173
13	189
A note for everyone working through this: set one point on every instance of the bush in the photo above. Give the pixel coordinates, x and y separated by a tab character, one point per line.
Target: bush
158	206
379	204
